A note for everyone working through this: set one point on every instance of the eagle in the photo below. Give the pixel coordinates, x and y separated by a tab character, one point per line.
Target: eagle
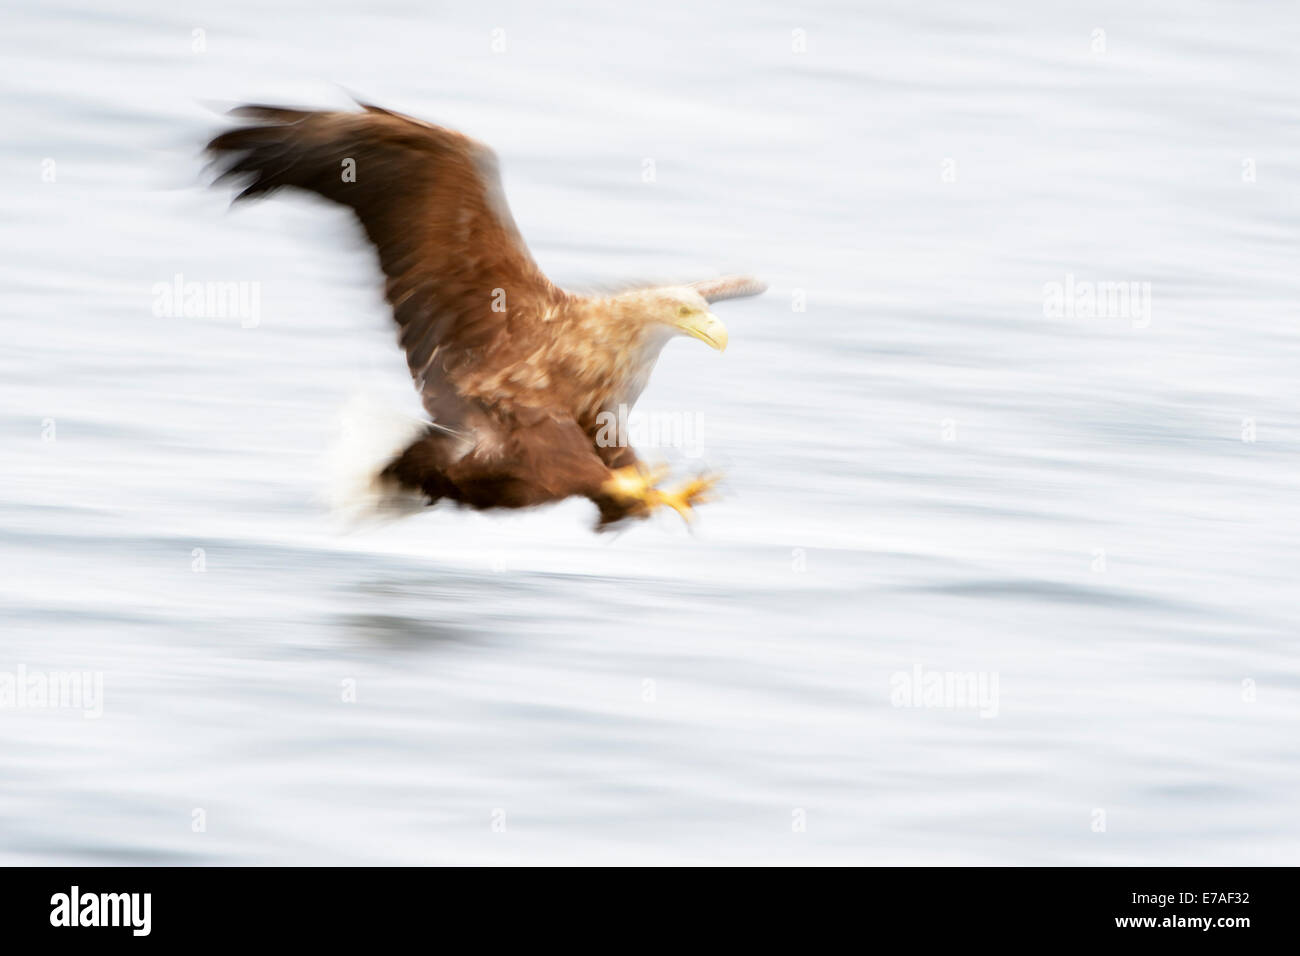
513	372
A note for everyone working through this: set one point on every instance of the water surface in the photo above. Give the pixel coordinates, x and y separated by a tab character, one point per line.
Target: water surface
923	470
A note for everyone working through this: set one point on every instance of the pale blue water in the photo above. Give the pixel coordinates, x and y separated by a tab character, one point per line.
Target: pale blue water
922	469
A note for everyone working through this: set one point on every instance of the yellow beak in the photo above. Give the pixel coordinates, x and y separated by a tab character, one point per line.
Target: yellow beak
708	328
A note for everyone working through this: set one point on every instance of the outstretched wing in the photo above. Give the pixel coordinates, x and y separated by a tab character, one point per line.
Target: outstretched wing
729	287
460	279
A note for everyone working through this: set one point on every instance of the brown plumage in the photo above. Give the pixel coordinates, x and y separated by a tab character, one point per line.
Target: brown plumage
512	370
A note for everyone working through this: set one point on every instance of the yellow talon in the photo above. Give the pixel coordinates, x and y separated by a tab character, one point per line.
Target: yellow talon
634	482
637	484
683	499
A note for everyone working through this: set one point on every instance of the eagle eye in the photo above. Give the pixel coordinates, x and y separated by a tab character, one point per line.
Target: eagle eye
684	311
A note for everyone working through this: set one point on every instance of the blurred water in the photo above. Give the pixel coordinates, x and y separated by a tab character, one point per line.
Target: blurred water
924	471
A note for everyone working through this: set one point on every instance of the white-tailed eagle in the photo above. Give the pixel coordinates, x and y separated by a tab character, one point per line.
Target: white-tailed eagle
513	371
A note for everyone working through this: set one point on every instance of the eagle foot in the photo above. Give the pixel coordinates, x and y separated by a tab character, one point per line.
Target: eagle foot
637	486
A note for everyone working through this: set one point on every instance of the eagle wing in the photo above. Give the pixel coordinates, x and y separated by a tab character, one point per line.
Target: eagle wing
461	282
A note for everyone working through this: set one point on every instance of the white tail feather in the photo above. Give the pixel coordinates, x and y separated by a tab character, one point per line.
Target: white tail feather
369	437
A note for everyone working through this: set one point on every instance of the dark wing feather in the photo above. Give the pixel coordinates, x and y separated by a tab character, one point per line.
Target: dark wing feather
431	201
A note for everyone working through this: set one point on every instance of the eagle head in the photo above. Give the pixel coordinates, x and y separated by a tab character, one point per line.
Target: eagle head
685	312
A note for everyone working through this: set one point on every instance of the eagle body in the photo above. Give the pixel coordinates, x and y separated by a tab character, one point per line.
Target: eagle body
513	371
